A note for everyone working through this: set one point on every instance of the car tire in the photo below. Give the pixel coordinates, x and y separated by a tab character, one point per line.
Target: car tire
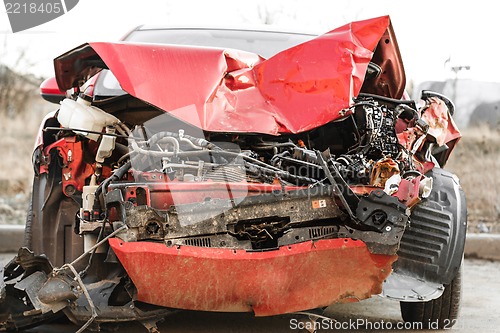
440	313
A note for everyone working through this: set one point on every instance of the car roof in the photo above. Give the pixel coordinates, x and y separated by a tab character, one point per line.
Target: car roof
259	28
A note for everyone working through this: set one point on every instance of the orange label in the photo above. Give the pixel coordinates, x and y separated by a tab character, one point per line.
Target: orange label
318	204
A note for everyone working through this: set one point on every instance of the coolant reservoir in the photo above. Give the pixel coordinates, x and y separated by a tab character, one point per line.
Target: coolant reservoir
82	116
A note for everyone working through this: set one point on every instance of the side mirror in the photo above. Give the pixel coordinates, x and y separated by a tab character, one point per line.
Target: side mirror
49	90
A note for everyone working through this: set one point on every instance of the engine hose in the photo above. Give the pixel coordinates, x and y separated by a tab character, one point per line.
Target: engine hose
282	173
196	141
387	99
271	146
119	173
189	143
169	139
277	157
120	148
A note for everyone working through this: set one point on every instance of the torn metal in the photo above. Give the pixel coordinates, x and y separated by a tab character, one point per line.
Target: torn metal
290	92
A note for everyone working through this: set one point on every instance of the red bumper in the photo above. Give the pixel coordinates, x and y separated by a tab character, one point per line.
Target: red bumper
297	277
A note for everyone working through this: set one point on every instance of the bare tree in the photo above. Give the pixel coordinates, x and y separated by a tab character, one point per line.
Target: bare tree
15	88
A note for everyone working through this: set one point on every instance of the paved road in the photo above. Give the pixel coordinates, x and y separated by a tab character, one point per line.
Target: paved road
480	311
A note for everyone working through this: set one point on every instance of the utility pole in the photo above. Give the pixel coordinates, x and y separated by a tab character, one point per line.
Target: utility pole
456	70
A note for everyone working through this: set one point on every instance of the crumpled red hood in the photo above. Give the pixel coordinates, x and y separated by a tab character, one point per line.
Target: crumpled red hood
296	90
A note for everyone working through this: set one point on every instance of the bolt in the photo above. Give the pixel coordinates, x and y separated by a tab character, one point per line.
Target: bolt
70	190
388	228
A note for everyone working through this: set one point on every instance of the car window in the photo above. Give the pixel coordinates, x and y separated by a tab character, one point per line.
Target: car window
264	43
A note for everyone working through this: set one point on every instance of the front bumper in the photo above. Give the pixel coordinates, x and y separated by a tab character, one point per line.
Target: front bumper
292	278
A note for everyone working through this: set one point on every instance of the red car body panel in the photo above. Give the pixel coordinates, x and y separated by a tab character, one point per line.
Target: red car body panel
441	125
292	278
219	90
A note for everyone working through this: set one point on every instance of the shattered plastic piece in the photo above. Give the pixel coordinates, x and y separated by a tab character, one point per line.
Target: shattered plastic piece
410	289
392	184
425	187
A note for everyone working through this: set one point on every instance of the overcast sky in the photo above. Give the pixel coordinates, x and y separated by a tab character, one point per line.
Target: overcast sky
428	31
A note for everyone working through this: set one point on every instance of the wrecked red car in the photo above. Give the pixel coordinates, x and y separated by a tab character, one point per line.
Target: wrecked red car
238	171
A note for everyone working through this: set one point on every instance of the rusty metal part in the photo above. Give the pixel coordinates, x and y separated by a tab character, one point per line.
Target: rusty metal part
221	215
264	221
383	170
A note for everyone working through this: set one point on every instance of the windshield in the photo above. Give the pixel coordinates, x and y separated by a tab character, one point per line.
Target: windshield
264	43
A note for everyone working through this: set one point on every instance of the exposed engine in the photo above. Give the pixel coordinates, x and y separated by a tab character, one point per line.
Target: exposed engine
352	157
292	160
